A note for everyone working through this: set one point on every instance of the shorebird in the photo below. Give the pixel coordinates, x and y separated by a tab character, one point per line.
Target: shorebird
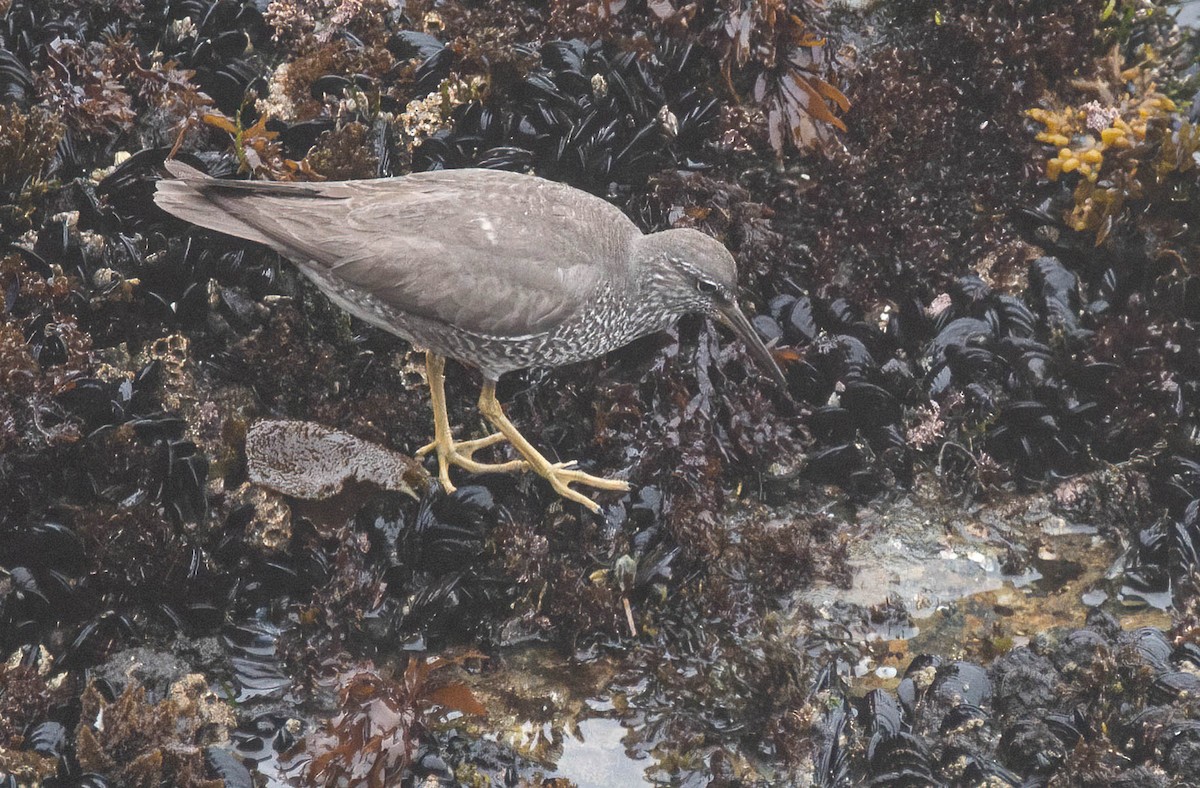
497	270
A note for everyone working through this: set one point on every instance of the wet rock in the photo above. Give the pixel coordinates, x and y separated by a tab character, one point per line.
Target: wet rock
1024	682
145	742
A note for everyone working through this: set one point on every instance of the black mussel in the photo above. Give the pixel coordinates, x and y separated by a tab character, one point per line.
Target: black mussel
258	670
882	714
983	771
808	383
848	357
962	718
1187	656
1028	416
334	85
831	761
48	739
1145	646
833	464
1180	744
97	637
1069	728
44	545
969	365
1175	684
869	405
409	44
779	306
903	761
968	295
831	423
180	480
767	328
910	328
1015	318
1032	744
228	767
962	331
1054	290
1081	650
298	138
800	325
838	315
962	682
16	80
655	567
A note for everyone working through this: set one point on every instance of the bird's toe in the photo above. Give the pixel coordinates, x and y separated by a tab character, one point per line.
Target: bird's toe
564	491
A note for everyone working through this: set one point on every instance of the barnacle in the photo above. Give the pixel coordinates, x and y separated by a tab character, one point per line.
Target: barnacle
305	22
291	20
27	143
424	117
147	744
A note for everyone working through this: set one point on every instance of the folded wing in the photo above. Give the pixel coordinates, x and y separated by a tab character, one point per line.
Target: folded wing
490	252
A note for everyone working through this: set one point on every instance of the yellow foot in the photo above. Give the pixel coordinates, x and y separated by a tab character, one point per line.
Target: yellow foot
449	451
462	453
560	474
465	447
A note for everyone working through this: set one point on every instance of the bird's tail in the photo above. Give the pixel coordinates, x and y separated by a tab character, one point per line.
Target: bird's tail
187	195
214	204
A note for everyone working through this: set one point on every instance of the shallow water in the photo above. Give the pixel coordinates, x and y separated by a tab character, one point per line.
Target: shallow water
1189	13
594	757
941	569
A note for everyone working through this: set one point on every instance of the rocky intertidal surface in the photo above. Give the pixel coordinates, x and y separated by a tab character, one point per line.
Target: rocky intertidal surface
962	548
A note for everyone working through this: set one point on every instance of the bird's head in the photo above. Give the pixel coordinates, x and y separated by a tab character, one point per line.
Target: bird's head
687	271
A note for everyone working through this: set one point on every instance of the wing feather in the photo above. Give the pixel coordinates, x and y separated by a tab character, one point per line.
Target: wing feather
490	252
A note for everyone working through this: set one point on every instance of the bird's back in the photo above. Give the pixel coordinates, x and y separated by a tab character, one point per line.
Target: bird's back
483	251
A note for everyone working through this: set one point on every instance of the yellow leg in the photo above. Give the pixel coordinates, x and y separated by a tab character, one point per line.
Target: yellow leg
450	452
559	474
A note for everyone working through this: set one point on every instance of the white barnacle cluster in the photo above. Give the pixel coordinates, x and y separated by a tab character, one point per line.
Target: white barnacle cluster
275	103
290	19
424	117
1099	117
345	12
354	102
182	29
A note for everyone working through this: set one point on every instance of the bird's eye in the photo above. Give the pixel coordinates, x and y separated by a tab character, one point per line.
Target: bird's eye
706	287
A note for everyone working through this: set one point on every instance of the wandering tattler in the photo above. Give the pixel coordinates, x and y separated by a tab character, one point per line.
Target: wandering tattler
497	270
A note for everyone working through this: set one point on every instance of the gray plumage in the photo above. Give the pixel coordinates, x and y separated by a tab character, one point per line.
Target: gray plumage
495	269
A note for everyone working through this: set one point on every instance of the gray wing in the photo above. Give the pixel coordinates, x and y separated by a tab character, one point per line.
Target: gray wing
490	252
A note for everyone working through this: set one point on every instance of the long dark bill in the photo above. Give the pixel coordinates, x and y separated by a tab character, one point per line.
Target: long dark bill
732	316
